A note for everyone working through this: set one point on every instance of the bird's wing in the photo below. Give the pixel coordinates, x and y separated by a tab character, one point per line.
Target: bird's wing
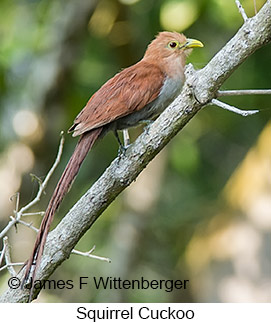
128	91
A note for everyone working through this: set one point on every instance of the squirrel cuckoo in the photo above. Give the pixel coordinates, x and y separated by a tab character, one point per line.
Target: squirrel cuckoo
139	92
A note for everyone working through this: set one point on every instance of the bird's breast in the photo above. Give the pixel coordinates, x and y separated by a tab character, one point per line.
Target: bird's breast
170	90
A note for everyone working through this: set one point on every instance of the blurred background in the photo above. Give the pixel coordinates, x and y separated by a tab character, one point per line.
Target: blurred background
200	211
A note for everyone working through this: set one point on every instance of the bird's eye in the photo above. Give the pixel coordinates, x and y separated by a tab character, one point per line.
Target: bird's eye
173	44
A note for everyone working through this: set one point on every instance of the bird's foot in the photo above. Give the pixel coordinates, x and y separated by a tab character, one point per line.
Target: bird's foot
147	124
122	150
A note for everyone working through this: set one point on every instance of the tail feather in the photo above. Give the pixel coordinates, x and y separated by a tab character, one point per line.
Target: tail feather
83	146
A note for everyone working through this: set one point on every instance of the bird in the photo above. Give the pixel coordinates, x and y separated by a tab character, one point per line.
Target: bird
135	94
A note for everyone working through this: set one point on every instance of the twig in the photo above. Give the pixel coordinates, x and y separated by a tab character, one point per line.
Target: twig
243	92
42	185
29	225
228	107
12	264
48	176
88	254
2	253
41	213
241	10
5	253
7	228
17	195
8	258
255	7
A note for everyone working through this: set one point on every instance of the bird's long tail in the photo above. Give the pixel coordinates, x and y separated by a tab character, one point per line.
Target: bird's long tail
83	146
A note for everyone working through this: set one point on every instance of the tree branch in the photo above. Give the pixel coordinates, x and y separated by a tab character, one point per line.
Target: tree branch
90	255
7	256
200	88
241	10
228	107
243	92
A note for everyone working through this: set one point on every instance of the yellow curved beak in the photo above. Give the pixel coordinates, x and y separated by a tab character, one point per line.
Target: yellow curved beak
191	43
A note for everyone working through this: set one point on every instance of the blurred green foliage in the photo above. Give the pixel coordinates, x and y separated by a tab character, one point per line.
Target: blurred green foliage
54	55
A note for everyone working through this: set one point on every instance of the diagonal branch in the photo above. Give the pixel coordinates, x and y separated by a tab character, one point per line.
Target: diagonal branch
205	83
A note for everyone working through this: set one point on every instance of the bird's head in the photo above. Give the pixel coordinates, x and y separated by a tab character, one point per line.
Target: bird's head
169	45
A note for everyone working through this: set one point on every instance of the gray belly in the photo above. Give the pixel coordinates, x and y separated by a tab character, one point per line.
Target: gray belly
170	90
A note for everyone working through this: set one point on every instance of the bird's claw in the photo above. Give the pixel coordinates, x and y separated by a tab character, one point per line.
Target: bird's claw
122	150
147	124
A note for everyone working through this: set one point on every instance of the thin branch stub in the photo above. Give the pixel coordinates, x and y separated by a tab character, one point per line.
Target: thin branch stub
243	92
241	10
89	254
231	108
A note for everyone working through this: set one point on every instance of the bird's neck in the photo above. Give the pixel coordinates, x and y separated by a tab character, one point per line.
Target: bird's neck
172	67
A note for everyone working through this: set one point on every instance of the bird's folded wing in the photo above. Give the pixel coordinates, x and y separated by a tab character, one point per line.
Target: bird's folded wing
128	91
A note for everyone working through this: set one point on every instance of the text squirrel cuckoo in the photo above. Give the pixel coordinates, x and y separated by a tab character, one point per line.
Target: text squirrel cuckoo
138	93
